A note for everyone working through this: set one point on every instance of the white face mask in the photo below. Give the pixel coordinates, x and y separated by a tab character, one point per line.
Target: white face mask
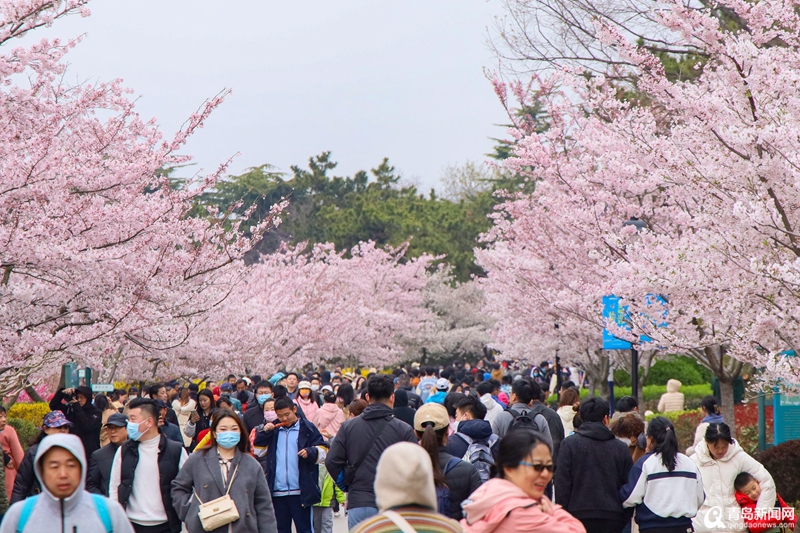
315	387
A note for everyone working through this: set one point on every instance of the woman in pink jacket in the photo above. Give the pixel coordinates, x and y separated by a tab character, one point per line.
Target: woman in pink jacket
513	501
329	418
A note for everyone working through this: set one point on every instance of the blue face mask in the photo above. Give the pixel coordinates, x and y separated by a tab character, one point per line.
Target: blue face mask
133	430
228	439
263	398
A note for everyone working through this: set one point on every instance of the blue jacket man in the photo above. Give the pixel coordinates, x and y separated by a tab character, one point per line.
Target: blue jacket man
295	448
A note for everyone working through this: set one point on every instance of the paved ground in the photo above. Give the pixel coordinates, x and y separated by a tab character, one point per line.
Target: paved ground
340	523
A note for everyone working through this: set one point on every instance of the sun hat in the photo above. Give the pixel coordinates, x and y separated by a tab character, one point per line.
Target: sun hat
304	385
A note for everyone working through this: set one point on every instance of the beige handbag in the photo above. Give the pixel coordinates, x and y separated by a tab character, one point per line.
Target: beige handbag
219	512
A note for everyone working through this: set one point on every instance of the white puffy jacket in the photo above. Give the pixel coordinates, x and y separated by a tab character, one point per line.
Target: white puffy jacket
720	509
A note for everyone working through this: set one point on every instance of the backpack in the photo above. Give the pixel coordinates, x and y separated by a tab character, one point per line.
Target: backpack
443	503
525	420
100	506
480	455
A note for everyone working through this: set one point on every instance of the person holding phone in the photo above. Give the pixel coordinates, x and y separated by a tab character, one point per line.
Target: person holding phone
199	419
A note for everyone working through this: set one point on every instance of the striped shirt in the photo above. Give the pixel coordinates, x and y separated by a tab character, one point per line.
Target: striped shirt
421	519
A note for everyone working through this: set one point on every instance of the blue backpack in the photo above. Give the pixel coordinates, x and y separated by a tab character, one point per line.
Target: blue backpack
443	503
100	506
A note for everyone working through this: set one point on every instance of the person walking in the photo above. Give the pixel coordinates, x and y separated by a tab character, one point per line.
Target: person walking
224	468
523	392
77	406
64	505
253	416
712	414
100	462
459	478
331	497
12	448
568	404
295	448
672	400
146	461
329	418
668	481
353	458
401	409
442	388
405	494
720	459
106	410
592	467
473	440
307	399
403	382
183	406
200	420
493	408
26	484
514	501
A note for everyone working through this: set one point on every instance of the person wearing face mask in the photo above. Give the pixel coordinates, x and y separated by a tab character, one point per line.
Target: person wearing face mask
225	468
253	416
307	399
148	459
295	448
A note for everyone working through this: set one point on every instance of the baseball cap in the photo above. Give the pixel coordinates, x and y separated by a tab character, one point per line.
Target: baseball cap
55	419
431	412
442	384
117	419
226	386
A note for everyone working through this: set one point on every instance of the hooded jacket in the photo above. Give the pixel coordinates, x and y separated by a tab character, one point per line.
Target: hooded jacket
493	409
401	409
76	513
672	400
329	418
499	506
86	421
478	430
761	524
414	401
700	432
591	468
351	442
718	477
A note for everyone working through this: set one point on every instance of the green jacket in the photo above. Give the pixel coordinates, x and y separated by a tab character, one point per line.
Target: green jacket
328	489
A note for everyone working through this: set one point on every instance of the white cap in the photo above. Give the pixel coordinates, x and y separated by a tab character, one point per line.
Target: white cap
442	384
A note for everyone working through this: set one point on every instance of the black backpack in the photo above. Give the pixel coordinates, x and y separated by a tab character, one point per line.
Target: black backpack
524	419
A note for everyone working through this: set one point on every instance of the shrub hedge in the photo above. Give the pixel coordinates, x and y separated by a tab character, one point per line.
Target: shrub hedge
25	429
783	462
32	412
684	369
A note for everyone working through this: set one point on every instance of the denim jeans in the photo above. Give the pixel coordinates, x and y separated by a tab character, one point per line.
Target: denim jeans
359	514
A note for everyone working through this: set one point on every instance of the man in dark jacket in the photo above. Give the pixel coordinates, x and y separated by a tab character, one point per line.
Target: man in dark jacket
293	453
101	460
554	423
592	466
401	409
360	443
77	406
254	416
404	383
472	427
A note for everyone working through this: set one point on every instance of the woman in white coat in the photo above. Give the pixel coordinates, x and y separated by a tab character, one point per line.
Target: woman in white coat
720	459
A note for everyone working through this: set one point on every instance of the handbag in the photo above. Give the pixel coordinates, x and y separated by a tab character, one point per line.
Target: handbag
219	512
399	521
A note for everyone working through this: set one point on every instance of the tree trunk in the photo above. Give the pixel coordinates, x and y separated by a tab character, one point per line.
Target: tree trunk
33	394
726	392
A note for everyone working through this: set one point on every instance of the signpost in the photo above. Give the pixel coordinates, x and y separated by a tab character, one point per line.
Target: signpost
102	387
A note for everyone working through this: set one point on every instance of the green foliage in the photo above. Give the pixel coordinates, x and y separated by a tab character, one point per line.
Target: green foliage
783	462
653	392
370	205
684	369
25	429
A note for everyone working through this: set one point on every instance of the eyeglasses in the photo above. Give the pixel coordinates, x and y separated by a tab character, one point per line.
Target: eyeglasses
539	467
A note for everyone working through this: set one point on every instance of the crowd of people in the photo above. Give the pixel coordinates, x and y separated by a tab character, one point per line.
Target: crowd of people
473	449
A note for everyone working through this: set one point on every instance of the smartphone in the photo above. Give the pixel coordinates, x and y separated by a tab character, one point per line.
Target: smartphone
194	412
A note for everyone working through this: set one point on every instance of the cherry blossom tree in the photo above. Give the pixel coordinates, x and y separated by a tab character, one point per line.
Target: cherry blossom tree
97	253
308	305
710	169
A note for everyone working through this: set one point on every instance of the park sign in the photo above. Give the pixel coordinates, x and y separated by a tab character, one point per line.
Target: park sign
614	313
102	387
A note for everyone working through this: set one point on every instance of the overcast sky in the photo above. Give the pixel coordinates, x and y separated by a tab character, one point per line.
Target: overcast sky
362	78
